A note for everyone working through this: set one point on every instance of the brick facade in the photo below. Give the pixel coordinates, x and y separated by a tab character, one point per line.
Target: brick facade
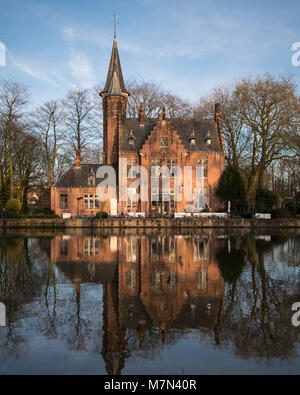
149	143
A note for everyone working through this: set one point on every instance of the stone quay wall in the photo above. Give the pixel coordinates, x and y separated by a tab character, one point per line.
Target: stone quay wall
58	223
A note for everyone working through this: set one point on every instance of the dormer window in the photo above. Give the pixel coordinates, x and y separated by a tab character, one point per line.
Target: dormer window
131	139
208	138
92	178
192	138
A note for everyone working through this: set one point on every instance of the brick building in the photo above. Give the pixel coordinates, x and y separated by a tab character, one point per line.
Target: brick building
154	144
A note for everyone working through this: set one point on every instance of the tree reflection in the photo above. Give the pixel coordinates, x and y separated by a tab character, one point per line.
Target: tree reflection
131	296
257	316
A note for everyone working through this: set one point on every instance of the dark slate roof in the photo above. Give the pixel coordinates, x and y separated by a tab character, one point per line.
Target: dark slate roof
140	133
78	177
201	129
114	67
184	129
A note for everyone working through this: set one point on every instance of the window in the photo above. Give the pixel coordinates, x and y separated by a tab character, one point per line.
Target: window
155	167
165	194
202	167
171	162
130	163
131	198
91	201
164	141
201	198
63	200
154	194
86	201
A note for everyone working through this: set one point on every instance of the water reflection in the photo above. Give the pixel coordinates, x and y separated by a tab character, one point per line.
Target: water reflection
127	296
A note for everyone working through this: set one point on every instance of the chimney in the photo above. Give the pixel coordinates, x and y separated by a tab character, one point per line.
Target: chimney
217	112
163	113
77	161
142	115
219	124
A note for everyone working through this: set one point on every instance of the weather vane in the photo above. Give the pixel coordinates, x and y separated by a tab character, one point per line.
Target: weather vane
115	25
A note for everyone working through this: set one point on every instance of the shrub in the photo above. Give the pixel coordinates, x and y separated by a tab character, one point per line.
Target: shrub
265	200
281	213
293	207
48	211
13	205
101	214
205	210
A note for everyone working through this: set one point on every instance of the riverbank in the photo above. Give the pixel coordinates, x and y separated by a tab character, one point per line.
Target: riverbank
157	223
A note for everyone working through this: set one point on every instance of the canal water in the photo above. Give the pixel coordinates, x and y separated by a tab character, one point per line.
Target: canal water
201	302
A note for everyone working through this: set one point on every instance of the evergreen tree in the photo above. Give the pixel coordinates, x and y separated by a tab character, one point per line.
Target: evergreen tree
231	187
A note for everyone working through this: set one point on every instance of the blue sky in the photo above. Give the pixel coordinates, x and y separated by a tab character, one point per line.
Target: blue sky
189	46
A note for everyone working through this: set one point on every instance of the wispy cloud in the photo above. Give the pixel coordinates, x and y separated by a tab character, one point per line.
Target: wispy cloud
81	69
38	73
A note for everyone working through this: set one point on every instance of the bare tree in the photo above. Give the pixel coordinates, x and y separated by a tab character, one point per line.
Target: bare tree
154	98
48	125
13	99
236	138
28	162
79	119
268	107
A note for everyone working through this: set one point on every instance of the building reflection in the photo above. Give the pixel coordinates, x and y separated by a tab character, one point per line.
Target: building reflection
151	286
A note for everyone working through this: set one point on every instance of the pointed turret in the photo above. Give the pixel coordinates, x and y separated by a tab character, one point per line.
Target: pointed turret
114	96
115	88
114	71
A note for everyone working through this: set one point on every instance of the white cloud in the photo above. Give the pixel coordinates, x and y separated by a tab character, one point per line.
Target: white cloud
80	69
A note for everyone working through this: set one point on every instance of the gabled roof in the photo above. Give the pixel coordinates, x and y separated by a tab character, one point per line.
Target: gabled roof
77	177
184	128
114	68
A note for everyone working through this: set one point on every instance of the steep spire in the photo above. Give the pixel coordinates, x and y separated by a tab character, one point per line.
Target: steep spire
115	72
114	88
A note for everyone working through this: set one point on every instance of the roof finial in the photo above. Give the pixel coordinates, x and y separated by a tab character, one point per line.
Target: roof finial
115	25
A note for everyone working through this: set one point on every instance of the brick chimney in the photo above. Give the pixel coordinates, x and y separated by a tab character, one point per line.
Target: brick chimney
142	115
219	124
77	161
217	112
163	113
